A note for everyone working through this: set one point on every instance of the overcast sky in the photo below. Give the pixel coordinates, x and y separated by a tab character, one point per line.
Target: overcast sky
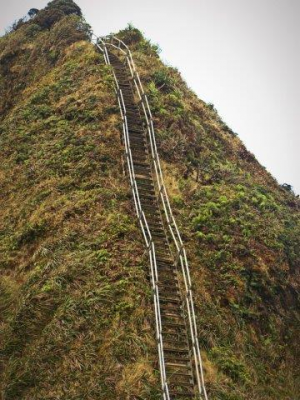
241	55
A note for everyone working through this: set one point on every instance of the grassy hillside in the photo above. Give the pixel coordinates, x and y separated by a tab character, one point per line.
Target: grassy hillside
75	305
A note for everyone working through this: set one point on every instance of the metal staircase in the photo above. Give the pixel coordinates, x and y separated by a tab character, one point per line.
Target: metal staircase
176	331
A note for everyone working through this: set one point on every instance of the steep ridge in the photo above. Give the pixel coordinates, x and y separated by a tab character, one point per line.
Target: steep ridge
75	305
75	302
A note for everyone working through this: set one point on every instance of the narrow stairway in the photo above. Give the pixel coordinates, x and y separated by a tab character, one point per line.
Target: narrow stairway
177	354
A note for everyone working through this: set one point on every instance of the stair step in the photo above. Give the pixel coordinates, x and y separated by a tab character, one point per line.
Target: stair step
166	263
171	332
182	387
190	395
170	283
141	170
132	114
132	107
158	234
146	177
166	281
182	383
165	305
168	276
156	225
167	260
134	123
172	322
167	269
167	344
144	189
141	153
171	287
176	321
162	244
184	350
175	338
143	179
176	365
162	248
149	196
138	139
145	154
172	314
160	253
148	184
172	335
127	91
181	358
150	210
183	374
164	293
170	300
155	228
164	259
144	159
143	167
137	158
137	131
140	145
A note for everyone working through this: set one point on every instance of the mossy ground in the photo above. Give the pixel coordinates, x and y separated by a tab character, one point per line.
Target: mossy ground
76	314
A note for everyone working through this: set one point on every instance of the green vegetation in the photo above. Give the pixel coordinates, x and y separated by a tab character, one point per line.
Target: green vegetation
72	260
75	304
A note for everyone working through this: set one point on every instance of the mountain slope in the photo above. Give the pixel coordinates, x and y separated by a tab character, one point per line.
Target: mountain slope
76	314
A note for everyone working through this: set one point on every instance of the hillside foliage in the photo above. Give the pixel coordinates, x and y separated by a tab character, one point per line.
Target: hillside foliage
75	302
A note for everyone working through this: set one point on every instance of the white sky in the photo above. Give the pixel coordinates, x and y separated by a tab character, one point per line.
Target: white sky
241	55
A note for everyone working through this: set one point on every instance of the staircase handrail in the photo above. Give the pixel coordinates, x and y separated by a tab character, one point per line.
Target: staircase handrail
181	257
143	223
